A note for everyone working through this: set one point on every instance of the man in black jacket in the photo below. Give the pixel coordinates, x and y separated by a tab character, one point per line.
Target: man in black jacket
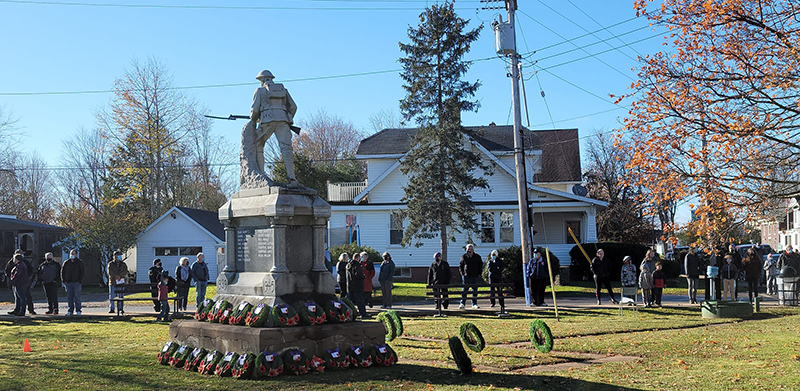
471	267
691	265
155	277
439	274
72	273
50	274
600	268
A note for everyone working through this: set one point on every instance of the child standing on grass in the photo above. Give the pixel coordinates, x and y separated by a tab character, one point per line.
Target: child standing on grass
658	284
646	284
163	292
728	273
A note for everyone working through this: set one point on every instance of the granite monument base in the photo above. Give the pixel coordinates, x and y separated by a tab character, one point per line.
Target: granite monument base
314	340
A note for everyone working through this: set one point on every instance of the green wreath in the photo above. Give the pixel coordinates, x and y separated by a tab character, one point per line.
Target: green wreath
258	316
203	308
398	323
389	324
353	309
244	367
225	366
209	363
310	313
337	311
239	315
285	316
194	358
268	364
472	337
166	353
541	337
217	313
460	356
179	358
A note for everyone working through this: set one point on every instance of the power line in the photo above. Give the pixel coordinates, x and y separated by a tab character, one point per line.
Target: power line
222	7
599	24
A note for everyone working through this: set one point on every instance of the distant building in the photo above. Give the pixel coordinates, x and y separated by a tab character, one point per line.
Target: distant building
34	239
180	232
371	212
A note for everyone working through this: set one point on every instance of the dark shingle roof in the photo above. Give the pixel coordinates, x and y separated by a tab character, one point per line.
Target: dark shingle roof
561	160
7	223
208	220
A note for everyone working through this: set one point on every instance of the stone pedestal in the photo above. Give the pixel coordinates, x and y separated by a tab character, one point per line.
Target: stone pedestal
274	246
314	340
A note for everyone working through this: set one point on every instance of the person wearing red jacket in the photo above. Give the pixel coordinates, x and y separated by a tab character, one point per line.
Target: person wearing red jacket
369	273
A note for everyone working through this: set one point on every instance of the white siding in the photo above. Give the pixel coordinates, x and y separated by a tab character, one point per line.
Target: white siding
169	232
390	189
376	168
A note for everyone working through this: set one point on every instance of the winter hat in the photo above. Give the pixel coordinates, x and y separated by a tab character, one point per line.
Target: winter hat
437	255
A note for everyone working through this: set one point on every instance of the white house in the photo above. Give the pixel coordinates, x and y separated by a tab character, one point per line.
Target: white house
371	212
784	231
180	232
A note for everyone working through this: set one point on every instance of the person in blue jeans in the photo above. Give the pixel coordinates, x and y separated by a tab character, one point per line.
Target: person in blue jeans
72	273
471	267
200	276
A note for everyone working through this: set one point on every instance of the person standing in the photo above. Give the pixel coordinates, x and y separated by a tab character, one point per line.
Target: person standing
691	265
183	277
50	274
627	274
789	258
439	274
728	273
355	284
117	276
369	274
341	273
386	278
494	268
163	292
154	275
7	270
646	284
659	282
20	281
470	266
650	260
752	272
200	276
771	270
32	277
600	269
72	276
539	277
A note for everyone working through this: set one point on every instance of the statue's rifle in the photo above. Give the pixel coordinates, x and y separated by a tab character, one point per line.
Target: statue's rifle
234	117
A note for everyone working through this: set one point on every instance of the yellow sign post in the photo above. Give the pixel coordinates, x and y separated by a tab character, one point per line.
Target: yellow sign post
552	283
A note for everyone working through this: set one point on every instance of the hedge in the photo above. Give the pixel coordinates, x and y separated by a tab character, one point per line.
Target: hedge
352	248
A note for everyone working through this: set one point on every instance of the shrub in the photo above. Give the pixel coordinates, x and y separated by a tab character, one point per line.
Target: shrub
614	252
512	262
352	248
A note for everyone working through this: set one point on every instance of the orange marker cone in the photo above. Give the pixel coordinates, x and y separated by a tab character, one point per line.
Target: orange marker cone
27	347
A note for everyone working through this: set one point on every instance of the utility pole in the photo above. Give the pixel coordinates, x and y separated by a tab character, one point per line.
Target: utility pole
505	34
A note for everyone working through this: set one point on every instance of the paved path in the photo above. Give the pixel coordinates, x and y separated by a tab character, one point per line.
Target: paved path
96	305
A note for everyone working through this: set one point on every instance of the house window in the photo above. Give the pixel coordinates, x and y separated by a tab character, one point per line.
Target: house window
790	220
576	229
191	251
487	227
402	272
506	227
396	226
166	251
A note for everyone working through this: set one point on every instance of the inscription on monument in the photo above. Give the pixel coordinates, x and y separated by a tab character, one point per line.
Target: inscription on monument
253	243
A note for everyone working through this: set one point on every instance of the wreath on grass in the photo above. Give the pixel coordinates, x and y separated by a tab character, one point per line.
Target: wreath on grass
315	363
384	355
398	323
202	310
239	315
472	337
310	313
460	356
295	361
225	366
541	336
166	353
360	356
209	363
218	310
353	309
268	365
194	358
243	367
258	316
337	311
179	358
388	323
284	315
335	359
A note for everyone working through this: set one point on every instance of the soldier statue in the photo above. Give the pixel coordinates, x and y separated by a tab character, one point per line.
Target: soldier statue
272	113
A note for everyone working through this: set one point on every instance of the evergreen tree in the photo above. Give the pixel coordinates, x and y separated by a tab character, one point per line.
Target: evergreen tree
440	162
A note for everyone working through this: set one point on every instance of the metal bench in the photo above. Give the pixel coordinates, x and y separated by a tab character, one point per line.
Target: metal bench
141	288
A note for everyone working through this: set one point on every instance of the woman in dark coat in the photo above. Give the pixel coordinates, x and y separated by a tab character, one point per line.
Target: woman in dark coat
439	274
752	272
341	273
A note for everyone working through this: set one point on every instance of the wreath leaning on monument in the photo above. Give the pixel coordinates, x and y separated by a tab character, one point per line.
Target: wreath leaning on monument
384	355
360	356
295	361
202	310
389	324
166	353
194	358
239	315
258	316
179	358
460	356
335	359
472	337
243	367
268	364
337	311
218	310
352	306
310	313
285	315
541	337
225	366
209	363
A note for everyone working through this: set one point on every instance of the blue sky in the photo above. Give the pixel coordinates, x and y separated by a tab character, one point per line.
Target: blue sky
85	46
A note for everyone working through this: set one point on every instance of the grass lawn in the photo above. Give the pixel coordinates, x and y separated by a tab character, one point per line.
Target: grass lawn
676	349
